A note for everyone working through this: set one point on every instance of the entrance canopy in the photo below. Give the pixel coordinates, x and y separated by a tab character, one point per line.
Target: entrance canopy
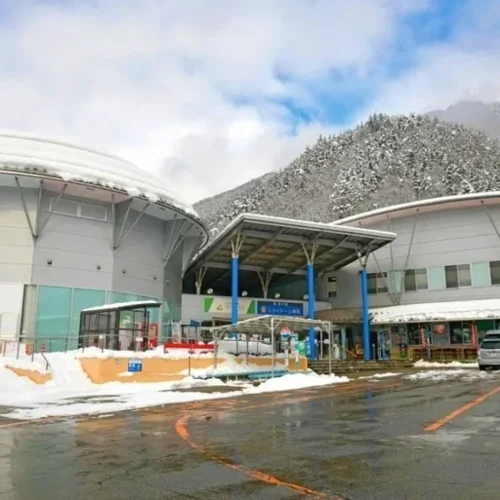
270	325
281	247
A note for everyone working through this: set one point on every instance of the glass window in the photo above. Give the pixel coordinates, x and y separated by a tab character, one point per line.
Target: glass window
413	334
464	277
416	279
372	284
64	207
480	274
490	344
483	327
53	316
29	311
460	332
458	276
398	335
96	212
331	287
421	279
495	272
451	274
436	278
381	282
410	285
83	299
395	279
440	336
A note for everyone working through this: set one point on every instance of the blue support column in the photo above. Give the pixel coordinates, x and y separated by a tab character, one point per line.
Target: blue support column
311	306
235	268
365	314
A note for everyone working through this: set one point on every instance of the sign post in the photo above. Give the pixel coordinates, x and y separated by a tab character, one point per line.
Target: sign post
285	342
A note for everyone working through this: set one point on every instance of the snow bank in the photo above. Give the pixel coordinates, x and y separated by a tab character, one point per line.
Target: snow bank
293	381
452	364
25	363
452	374
381	375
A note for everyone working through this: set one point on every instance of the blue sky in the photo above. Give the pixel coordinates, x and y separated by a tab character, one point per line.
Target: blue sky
214	93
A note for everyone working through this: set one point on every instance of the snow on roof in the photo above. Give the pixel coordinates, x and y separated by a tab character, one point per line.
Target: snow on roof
120	305
437	311
296	224
33	154
443	200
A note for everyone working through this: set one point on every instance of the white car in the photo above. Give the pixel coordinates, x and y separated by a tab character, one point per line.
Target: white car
488	355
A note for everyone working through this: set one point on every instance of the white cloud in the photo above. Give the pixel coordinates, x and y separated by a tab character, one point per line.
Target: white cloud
152	80
467	66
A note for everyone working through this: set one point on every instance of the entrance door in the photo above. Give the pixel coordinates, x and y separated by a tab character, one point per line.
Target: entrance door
384	344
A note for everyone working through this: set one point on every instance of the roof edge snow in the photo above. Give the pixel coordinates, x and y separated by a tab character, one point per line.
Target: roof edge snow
69	162
432	204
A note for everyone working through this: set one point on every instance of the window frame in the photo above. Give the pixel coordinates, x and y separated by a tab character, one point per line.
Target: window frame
331	293
79	205
491	274
414	271
459	285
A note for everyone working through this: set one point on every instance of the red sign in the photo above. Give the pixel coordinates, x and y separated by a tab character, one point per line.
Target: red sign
285	331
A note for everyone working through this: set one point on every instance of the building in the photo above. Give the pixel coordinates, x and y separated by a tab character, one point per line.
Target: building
437	284
80	228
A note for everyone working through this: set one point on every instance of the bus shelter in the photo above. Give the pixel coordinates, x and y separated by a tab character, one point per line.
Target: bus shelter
120	326
271	327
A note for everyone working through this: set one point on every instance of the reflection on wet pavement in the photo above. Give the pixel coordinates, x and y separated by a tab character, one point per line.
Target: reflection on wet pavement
361	441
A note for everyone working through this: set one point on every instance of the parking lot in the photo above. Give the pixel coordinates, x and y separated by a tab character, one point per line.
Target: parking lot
367	439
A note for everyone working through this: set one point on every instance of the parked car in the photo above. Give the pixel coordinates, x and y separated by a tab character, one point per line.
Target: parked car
492	335
489	354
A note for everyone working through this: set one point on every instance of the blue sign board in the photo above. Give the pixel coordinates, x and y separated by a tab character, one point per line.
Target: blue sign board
135	365
295	309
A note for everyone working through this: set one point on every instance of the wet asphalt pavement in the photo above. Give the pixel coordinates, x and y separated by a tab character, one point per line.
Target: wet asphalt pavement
361	440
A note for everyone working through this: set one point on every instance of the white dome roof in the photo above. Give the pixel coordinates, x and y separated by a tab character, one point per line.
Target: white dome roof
33	154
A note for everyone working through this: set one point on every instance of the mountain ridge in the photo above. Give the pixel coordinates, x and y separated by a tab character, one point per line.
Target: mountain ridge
385	161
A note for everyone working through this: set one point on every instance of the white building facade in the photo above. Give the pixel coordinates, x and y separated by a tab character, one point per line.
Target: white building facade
80	228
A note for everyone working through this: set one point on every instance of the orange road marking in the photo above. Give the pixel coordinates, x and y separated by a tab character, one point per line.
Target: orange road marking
459	411
183	432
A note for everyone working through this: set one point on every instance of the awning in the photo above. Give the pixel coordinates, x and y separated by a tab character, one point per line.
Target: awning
437	311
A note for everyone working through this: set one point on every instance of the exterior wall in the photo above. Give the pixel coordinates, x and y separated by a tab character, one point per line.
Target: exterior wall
73	265
140	255
76	247
441	238
16	241
11	304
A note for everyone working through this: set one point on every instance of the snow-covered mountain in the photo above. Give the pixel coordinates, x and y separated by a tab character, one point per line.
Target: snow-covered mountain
477	115
385	161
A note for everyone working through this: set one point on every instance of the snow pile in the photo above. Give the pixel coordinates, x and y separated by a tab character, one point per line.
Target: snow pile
381	375
52	400
230	366
294	381
25	363
95	352
452	374
437	311
452	364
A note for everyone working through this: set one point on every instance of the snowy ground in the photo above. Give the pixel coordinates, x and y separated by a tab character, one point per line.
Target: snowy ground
70	392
